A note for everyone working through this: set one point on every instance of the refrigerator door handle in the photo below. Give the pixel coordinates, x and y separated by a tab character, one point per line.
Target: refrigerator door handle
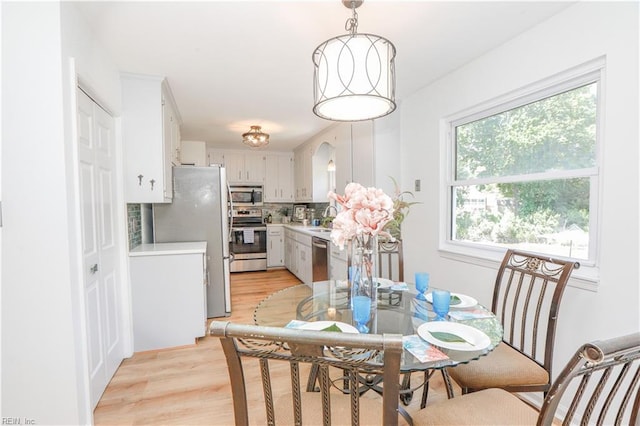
230	212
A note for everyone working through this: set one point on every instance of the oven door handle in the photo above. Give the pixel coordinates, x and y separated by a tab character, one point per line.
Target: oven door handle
247	228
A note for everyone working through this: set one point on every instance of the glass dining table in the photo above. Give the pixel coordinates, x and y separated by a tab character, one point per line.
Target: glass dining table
398	311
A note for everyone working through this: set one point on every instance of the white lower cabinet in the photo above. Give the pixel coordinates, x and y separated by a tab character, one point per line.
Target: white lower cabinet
168	300
275	246
338	263
298	255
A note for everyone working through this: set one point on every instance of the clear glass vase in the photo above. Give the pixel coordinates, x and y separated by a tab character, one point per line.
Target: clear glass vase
363	273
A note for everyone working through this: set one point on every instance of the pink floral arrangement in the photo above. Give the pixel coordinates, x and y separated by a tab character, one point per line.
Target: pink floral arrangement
365	211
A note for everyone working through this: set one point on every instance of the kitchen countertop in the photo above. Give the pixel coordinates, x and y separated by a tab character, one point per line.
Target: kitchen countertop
314	231
161	249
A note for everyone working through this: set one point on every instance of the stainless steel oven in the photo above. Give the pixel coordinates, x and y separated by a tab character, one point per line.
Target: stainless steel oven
248	240
246	195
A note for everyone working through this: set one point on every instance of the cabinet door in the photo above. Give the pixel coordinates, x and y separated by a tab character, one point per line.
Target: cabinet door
305	267
285	178
275	247
289	252
167	143
254	168
297	174
143	127
303	173
271	178
215	156
235	167
278	178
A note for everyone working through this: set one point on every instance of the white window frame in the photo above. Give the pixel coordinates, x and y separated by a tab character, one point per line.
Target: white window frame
587	276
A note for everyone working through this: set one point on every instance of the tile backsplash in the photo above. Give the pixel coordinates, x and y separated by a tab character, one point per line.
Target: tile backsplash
134	225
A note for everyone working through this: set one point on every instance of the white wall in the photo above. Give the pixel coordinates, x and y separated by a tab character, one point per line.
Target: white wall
38	362
386	138
579	34
43	369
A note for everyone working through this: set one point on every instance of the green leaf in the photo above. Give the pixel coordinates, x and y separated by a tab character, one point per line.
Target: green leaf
455	300
332	327
447	337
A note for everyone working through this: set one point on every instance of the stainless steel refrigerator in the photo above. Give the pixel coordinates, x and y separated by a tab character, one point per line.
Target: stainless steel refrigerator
199	212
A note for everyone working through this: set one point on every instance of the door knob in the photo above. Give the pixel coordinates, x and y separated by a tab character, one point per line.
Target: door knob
94	269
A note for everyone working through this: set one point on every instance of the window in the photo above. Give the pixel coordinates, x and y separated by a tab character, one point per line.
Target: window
523	173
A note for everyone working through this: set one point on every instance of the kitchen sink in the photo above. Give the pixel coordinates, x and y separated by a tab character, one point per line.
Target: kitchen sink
319	229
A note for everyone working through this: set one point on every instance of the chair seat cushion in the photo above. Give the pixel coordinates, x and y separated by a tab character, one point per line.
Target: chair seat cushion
370	409
487	407
503	367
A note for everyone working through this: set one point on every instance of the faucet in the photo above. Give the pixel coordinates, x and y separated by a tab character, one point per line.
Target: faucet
329	207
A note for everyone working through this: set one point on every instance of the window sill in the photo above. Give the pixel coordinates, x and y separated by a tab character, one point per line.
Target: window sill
587	277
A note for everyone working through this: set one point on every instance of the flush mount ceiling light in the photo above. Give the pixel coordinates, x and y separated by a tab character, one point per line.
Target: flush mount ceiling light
255	137
354	74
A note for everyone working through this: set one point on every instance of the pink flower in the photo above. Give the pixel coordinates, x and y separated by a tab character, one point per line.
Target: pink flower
364	211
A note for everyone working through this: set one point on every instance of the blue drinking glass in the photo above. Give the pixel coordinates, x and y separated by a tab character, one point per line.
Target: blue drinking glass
422	284
441	301
362	312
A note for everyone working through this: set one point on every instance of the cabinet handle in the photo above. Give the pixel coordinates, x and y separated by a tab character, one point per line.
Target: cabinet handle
140	180
152	182
94	268
239	175
247	174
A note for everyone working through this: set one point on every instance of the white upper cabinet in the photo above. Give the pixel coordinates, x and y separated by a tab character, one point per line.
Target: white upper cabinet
193	152
278	182
151	135
244	167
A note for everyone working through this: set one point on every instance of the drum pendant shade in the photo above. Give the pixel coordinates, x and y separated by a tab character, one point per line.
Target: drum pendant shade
354	76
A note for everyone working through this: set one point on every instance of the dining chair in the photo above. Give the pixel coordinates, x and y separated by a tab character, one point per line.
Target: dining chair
599	385
526	298
390	259
284	401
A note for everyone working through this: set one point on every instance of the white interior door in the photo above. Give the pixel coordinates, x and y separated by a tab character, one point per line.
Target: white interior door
99	243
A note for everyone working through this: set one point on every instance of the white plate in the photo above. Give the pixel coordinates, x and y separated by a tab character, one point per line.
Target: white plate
465	301
476	338
384	283
319	325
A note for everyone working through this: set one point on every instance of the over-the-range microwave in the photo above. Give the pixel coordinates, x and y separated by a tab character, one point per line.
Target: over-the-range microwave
246	195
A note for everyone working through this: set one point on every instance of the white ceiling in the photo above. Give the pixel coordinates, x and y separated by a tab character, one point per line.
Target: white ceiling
232	64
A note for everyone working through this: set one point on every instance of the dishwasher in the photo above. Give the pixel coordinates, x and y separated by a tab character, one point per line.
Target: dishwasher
320	259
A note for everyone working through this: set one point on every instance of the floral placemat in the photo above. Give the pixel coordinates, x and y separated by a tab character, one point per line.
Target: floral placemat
422	350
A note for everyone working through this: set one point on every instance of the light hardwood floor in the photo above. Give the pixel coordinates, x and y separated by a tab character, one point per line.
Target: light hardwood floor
190	385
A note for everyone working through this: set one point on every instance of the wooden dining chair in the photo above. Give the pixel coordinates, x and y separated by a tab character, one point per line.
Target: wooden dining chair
600	385
526	298
284	401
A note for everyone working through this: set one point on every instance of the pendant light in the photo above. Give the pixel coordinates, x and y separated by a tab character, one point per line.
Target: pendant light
354	74
255	137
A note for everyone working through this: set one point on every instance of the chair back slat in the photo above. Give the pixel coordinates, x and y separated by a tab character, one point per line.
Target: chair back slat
526	299
295	392
390	260
600	385
266	388
325	387
320	350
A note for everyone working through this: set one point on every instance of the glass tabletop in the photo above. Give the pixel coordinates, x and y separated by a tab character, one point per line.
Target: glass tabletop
398	311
